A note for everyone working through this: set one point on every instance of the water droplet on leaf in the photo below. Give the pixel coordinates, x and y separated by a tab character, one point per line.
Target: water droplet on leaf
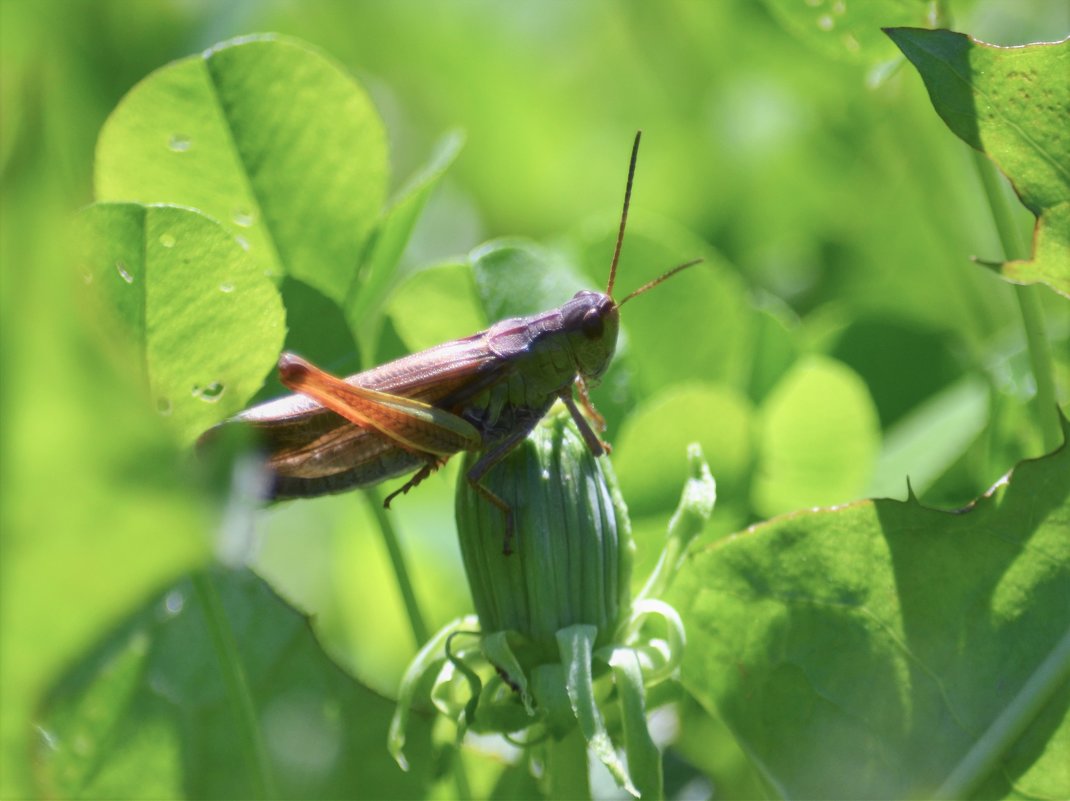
167	240
244	218
125	274
179	143
174	602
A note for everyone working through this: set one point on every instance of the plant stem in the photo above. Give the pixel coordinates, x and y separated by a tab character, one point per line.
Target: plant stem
460	775
1028	303
981	760
566	768
238	692
401	571
1041	361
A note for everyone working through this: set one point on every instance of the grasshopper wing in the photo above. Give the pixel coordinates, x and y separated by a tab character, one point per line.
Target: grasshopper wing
312	450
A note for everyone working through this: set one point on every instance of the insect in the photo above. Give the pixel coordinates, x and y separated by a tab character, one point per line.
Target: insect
484	393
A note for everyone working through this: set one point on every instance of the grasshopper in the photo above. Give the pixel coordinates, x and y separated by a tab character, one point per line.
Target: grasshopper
485	393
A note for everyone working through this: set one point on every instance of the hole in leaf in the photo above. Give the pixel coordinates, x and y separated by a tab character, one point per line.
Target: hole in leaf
210	393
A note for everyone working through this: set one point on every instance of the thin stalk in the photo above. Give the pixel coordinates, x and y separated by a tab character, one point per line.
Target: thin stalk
460	775
238	692
940	14
420	631
566	768
1040	358
987	753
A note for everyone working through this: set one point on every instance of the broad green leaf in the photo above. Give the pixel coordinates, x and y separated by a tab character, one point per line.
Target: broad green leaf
98	512
316	328
1012	104
392	235
436	305
206	323
269	137
818	437
516	278
218	689
649	455
848	30
877	650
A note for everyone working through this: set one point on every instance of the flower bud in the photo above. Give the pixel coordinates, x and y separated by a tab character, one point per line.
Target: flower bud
571	541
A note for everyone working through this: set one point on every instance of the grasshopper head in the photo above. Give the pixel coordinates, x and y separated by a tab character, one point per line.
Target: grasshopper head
591	321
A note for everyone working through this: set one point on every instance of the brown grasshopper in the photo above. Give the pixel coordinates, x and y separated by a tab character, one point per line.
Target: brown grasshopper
485	393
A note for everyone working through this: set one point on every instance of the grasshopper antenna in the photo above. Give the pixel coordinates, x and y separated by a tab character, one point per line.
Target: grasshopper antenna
658	280
623	215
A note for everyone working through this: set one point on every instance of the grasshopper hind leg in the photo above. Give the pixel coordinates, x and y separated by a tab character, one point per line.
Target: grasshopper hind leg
506	510
433	464
485	463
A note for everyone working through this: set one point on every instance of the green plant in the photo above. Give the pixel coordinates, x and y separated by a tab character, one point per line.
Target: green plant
834	646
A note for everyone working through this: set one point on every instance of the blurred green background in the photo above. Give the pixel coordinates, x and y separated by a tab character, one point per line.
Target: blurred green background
830	199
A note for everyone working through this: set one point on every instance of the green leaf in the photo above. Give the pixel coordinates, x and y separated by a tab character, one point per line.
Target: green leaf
902	363
817	440
1010	103
849	31
515	277
774	350
269	137
430	657
99	511
644	760
317	329
436	305
150	712
650	456
576	644
842	645
206	323
392	235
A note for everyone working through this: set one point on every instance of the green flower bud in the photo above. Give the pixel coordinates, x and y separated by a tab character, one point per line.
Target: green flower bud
559	637
572	547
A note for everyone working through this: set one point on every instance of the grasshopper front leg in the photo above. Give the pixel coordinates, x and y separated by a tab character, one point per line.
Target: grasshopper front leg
597	446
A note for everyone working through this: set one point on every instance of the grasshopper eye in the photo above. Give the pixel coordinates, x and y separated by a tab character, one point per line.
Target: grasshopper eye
592	324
